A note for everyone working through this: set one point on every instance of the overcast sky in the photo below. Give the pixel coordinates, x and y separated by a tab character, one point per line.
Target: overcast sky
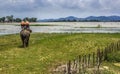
59	8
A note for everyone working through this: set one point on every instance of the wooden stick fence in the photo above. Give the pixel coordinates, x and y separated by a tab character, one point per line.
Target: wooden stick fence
91	62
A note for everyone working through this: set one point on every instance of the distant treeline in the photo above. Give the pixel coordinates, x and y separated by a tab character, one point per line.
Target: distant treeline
87	19
81	21
76	21
12	19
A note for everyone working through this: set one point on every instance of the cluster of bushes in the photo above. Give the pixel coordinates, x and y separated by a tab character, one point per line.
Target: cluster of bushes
114	57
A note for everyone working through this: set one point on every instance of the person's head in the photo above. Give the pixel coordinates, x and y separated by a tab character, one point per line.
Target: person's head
27	22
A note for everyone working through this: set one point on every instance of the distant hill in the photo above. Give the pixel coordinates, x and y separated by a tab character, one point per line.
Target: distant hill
87	19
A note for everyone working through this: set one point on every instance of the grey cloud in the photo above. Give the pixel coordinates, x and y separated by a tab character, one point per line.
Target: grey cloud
49	8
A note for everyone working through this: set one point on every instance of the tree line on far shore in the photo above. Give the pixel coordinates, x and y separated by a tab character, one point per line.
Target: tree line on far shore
12	19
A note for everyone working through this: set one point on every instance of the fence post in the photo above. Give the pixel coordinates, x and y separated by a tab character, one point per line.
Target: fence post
115	48
93	59
85	61
69	67
75	65
98	61
118	45
88	61
79	65
83	66
111	46
101	59
105	54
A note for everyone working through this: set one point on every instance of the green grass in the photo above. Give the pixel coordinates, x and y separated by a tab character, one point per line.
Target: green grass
47	50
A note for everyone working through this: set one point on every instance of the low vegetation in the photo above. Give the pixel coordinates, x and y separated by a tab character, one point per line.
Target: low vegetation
47	50
114	57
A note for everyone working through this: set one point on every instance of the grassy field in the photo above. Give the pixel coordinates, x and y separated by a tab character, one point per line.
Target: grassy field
47	50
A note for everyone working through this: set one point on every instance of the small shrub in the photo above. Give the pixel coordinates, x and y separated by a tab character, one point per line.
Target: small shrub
99	26
113	57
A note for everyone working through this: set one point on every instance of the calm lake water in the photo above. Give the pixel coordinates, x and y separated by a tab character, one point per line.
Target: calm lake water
66	27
